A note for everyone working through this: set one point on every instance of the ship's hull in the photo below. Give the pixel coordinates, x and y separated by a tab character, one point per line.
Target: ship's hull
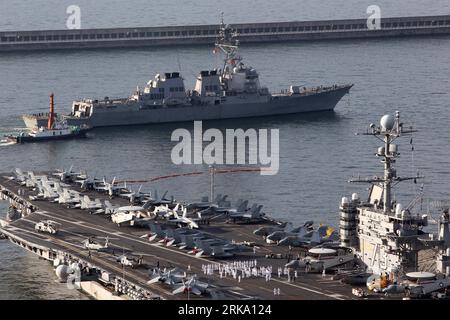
132	115
28	138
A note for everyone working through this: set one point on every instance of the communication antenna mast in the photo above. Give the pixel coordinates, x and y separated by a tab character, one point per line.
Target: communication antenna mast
211	183
389	130
228	43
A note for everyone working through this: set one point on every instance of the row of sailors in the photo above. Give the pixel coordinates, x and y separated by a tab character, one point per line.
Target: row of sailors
246	269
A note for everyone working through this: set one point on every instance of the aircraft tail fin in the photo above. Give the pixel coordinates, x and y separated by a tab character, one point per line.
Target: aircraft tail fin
217	199
243	206
258	209
147	205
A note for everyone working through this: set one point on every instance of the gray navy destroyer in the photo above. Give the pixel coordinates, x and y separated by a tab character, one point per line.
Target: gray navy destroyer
234	91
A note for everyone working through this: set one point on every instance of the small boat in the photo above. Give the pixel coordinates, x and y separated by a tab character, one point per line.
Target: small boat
53	131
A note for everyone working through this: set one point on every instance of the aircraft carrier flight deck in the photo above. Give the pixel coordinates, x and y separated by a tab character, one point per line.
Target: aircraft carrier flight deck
157	256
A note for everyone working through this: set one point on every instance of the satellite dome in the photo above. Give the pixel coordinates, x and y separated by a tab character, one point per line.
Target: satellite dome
62	272
387	122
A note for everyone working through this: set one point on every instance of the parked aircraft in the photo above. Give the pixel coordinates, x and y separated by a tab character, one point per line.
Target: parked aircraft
191	286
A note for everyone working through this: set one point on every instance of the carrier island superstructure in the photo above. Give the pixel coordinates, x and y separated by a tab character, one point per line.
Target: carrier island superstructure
385	235
233	91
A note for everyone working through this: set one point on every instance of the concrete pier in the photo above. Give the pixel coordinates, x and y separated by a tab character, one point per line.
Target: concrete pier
206	34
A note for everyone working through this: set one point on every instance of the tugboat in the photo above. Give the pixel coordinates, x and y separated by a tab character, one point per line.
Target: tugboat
53	131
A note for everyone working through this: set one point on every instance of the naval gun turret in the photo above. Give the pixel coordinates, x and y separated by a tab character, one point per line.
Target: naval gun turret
384	234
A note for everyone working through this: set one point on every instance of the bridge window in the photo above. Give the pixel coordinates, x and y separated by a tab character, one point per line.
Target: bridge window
205	32
135	35
163	34
307	28
26	38
184	33
149	34
70	37
328	27
177	33
12	39
106	36
348	26
99	36
294	28
114	35
280	29
92	36
246	30
287	29
170	33
301	29
447	22
40	38
274	30
341	26
260	30
56	38
320	27
63	37
191	32
142	34
121	35
408	24
314	28
3	39
78	36
156	34
212	31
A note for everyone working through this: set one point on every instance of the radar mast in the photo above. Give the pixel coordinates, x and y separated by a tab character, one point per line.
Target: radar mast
228	43
389	130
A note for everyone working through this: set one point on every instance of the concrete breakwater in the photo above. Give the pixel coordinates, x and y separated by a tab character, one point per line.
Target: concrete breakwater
206	34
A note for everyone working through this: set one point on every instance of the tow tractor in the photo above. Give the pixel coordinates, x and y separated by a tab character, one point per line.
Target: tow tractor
47	226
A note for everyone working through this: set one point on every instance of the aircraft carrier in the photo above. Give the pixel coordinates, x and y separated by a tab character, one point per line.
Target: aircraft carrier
233	91
160	248
76	226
